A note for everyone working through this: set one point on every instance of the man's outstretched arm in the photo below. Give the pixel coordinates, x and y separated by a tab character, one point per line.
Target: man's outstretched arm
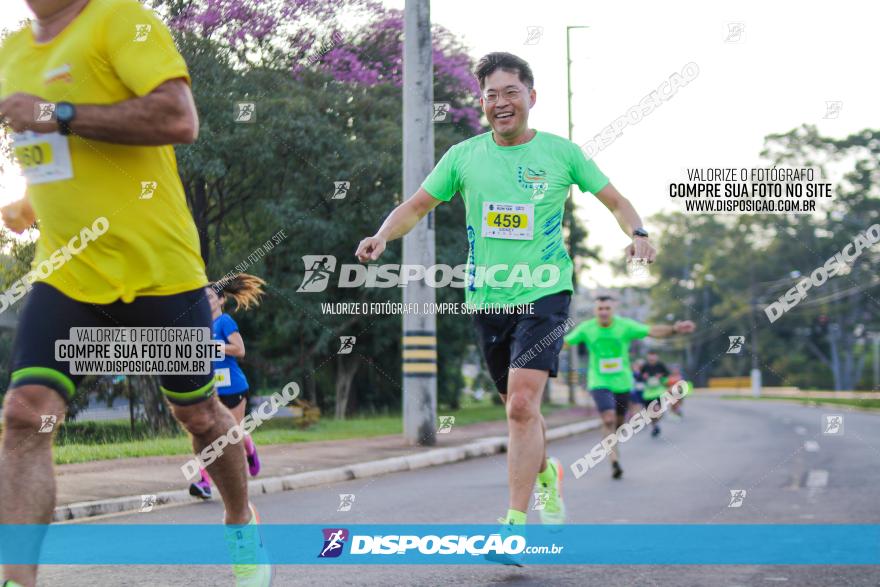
664	330
628	220
401	220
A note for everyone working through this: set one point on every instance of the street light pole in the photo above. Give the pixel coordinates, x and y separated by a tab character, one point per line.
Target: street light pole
419	330
572	351
568	74
875	338
753	309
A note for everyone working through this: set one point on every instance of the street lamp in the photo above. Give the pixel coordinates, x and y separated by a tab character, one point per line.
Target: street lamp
572	351
568	74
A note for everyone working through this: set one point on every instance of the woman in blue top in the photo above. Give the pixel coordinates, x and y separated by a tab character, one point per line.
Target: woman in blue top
232	385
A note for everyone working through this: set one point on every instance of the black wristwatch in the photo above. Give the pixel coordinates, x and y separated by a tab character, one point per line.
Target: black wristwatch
640	232
65	112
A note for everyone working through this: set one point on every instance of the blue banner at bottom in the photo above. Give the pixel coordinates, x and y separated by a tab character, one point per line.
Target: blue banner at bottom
628	544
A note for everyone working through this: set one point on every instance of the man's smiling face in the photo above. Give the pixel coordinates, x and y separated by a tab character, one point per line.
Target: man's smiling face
506	101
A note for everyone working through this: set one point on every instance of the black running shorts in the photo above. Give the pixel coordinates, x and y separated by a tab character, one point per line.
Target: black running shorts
523	340
48	315
231	400
606	400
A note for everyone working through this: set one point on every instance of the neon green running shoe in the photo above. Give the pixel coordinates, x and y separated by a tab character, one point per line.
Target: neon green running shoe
250	561
508	528
548	494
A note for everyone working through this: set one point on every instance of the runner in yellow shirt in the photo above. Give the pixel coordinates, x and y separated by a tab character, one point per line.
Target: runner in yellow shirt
95	93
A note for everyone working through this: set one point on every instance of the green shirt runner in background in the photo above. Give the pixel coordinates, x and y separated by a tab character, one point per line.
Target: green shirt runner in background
609	351
514	199
654	387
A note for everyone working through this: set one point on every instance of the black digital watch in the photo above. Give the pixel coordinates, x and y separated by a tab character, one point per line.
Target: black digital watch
65	112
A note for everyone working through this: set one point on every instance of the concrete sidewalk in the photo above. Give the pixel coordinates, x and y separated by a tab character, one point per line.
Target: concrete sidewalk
110	486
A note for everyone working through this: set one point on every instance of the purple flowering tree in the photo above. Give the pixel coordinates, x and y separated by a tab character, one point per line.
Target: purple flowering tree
325	78
354	41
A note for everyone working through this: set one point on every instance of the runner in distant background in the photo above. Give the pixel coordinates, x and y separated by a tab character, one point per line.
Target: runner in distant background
232	385
610	376
675	376
635	398
654	374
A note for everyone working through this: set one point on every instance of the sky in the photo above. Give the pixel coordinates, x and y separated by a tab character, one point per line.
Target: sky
12	184
787	61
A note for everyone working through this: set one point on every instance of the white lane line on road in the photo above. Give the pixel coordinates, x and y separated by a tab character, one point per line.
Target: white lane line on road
811	446
776	578
817	478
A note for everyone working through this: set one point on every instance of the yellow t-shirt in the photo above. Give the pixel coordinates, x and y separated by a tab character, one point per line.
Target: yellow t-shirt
114	50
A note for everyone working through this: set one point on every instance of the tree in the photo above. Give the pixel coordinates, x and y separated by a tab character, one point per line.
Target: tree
753	260
327	100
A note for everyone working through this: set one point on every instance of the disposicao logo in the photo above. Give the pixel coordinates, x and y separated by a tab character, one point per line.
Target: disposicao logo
336	538
334	541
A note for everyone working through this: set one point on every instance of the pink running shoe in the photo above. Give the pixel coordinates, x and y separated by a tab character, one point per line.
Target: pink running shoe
201	488
253	463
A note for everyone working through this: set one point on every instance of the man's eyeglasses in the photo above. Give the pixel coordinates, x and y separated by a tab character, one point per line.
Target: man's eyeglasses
509	94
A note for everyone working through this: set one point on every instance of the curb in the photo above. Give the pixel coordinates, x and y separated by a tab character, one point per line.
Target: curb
441	456
818	403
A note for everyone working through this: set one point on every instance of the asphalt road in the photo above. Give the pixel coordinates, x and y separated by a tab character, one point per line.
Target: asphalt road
791	472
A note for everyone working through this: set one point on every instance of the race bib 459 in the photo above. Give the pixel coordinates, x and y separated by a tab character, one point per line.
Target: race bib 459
508	221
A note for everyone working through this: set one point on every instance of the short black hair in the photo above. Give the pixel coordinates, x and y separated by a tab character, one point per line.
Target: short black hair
488	64
604	298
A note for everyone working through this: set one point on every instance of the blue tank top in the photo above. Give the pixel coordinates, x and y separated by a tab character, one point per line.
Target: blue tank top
229	376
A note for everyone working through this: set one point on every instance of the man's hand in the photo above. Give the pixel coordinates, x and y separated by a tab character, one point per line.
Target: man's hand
641	248
370	249
684	327
18	216
20	111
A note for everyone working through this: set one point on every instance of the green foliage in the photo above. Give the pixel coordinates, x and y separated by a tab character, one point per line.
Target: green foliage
715	270
247	181
101	432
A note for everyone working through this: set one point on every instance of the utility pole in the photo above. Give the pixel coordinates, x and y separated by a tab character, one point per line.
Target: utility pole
573	378
875	338
130	397
756	371
689	298
419	329
568	73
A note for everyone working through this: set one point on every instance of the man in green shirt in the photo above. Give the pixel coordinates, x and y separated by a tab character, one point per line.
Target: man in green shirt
514	182
655	377
610	377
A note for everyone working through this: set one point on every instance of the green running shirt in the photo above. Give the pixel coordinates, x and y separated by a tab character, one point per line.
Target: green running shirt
609	351
514	199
